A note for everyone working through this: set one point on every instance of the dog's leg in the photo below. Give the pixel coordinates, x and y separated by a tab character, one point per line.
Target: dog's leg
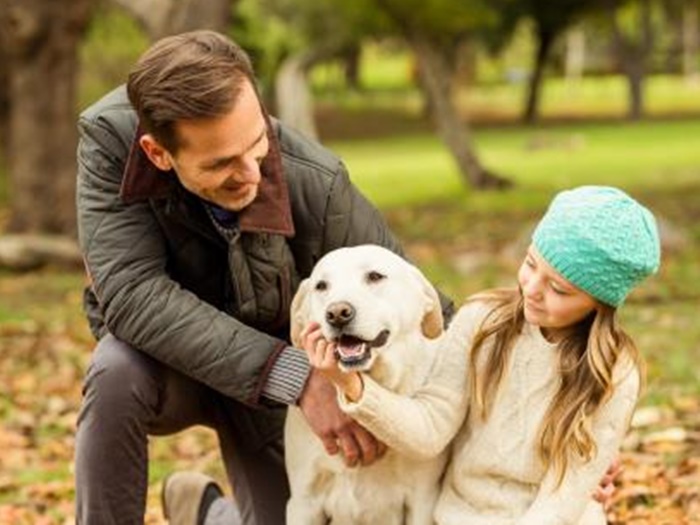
420	510
305	512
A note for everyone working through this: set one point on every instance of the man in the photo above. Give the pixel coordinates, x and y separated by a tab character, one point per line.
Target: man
198	217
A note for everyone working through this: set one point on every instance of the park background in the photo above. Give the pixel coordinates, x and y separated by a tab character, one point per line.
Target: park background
460	120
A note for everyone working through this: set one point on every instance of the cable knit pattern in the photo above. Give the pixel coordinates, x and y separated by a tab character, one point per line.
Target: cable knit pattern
600	239
495	476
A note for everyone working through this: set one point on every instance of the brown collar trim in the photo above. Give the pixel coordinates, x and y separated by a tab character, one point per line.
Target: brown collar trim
142	179
270	212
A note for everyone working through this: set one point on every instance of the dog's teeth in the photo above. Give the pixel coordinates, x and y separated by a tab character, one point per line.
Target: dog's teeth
352	350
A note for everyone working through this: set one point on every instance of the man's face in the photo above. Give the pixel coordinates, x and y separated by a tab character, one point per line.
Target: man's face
219	158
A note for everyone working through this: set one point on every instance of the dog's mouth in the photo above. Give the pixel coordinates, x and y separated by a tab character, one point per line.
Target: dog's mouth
354	353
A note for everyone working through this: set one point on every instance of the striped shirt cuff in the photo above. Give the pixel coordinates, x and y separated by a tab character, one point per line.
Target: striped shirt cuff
287	377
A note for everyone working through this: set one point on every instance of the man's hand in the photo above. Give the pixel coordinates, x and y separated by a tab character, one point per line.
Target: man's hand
606	487
337	431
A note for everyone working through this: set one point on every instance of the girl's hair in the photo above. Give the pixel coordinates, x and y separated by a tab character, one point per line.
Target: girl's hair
588	354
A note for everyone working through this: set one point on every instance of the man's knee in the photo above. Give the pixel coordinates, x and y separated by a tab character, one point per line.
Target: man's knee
120	380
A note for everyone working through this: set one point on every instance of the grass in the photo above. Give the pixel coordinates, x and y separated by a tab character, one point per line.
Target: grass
637	156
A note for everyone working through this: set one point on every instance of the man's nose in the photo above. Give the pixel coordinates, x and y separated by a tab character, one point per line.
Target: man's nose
249	171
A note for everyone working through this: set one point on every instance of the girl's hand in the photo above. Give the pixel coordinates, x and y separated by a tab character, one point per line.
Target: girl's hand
322	356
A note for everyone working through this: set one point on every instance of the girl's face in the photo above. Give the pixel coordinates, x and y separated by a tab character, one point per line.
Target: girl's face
550	301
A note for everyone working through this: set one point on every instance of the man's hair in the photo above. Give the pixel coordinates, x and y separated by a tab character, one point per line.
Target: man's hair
192	75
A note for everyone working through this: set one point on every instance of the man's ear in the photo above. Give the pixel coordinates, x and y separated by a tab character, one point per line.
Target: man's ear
157	154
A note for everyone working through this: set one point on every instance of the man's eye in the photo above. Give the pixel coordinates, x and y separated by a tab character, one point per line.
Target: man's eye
374	277
215	168
321	286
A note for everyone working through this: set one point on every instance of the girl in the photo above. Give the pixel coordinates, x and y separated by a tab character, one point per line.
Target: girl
539	380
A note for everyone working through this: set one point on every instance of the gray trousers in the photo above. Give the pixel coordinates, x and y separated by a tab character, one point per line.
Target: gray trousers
128	396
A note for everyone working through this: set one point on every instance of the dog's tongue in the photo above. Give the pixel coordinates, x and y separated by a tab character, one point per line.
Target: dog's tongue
349	347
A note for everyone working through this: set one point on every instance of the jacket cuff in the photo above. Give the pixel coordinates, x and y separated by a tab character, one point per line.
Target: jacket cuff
287	377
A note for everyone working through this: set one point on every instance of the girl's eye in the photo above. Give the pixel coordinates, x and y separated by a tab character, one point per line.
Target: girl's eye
321	286
529	262
374	277
557	290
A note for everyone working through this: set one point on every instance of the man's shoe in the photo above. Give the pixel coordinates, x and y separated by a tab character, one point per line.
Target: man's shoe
186	497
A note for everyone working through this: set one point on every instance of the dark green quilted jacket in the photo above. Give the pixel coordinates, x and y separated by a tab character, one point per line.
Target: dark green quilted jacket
163	279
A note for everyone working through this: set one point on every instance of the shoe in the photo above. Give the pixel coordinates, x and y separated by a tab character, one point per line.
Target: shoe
183	497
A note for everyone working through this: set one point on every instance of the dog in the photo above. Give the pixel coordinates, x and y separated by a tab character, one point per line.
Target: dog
386	319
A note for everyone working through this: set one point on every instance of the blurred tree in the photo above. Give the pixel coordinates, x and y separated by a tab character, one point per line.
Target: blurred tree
551	20
434	30
319	30
290	37
691	40
39	41
159	18
683	18
633	40
4	101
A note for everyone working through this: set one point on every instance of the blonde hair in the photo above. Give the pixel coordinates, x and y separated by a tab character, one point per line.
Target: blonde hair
588	354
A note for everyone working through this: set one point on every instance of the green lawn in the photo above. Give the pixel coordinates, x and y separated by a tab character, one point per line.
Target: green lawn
417	168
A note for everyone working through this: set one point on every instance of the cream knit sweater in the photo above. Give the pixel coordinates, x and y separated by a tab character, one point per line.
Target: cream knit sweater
494	476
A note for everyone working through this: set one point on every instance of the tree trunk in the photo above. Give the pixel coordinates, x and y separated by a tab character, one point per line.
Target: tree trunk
42	37
4	104
293	96
435	81
690	42
160	18
575	55
351	57
635	83
544	45
632	56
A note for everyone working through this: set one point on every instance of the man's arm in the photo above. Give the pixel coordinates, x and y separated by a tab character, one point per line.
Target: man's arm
125	256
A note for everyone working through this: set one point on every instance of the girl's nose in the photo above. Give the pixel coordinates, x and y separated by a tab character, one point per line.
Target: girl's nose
532	288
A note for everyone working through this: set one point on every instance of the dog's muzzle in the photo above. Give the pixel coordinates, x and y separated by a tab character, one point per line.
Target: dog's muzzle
354	353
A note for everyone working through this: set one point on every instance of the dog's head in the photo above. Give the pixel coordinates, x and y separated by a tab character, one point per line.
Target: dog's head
364	298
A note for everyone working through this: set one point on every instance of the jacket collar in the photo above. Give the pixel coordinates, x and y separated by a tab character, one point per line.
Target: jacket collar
270	212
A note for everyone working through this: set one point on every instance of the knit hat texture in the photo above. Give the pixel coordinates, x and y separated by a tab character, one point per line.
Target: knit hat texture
600	239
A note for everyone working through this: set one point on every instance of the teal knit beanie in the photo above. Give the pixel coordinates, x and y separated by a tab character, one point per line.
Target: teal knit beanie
600	239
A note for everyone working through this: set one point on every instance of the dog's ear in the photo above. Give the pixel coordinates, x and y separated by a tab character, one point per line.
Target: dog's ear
432	324
299	312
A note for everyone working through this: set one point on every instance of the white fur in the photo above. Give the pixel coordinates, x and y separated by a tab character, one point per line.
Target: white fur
395	489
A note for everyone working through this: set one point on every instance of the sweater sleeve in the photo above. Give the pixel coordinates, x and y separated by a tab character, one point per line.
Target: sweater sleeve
422	425
565	505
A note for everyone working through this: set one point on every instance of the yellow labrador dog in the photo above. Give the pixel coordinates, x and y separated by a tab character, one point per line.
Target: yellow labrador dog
385	316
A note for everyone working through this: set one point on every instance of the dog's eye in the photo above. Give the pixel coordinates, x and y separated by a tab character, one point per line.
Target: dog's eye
321	286
374	277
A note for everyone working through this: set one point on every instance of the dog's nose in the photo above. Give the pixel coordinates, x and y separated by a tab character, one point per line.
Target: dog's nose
339	314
